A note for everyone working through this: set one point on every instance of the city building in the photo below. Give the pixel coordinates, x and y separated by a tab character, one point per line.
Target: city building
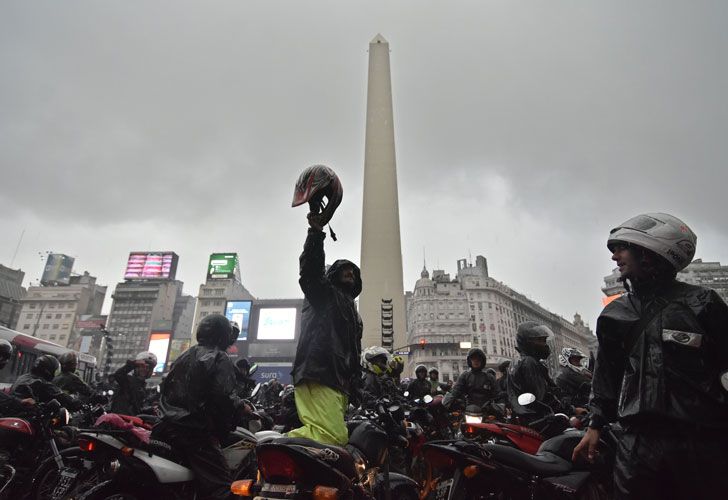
381	303
50	312
11	293
446	317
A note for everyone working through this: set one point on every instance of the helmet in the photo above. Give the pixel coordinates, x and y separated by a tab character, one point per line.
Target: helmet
6	349
663	234
434	370
215	330
476	352
243	365
312	185
373	356
568	352
46	366
421	368
148	357
528	331
68	360
503	367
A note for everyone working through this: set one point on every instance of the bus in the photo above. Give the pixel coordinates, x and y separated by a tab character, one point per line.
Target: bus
28	348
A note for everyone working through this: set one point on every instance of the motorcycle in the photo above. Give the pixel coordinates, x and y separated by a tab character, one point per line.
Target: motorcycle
467	469
25	440
297	468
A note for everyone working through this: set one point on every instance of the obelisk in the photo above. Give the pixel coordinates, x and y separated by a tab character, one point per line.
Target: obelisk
381	303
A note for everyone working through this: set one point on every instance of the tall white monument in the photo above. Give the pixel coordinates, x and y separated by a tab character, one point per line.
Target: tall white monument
381	303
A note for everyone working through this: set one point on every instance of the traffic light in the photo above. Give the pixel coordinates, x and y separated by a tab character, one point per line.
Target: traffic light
422	343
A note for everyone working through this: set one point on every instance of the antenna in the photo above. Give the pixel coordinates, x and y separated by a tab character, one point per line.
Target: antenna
12	261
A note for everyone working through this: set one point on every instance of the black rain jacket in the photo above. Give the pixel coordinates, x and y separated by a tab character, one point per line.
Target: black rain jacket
528	374
573	387
73	384
132	392
419	388
329	349
476	386
199	394
33	386
661	352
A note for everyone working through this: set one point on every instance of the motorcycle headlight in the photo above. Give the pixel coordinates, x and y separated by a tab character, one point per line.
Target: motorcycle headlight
360	464
473	419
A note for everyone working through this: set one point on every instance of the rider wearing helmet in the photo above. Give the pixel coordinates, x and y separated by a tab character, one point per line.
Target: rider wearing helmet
528	374
38	384
375	360
199	406
68	380
475	385
11	406
661	368
420	385
573	380
131	396
327	369
434	375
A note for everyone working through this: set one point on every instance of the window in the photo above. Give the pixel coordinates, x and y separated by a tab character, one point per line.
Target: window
219	291
45	326
51	337
68	315
51	306
26	327
59	316
55	327
32	306
49	316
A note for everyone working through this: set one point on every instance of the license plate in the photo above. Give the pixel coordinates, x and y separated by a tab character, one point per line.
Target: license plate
442	492
279	490
65	481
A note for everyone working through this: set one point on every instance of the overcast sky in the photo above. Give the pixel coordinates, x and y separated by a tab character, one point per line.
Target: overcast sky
524	132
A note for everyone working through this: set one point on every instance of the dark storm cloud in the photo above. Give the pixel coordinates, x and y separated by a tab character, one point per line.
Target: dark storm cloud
524	132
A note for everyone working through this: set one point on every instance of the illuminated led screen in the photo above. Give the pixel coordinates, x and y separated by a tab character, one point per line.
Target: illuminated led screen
151	265
239	311
159	345
277	323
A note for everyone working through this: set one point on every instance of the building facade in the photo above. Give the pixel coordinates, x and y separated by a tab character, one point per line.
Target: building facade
213	296
50	312
446	317
11	293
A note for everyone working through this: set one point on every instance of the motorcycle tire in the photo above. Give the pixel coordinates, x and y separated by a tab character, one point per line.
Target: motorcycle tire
46	476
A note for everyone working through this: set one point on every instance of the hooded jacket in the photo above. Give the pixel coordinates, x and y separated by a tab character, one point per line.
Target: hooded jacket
574	387
661	352
476	385
199	392
528	374
329	349
130	397
32	385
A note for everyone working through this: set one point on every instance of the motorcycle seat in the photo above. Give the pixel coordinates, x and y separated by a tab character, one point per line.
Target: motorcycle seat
338	457
542	464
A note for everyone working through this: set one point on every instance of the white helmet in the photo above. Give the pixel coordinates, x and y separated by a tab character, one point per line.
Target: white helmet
372	353
148	357
568	352
663	234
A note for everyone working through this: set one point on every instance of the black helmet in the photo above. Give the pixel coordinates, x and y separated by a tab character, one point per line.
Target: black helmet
215	331
46	366
421	368
503	367
475	351
528	331
312	185
68	360
6	352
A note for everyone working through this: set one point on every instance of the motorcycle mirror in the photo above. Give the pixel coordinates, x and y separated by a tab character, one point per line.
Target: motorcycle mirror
393	409
253	369
406	394
109	392
427	399
724	380
159	388
256	389
280	394
526	399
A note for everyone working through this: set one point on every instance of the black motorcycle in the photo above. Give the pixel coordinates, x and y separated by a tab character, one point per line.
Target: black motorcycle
297	468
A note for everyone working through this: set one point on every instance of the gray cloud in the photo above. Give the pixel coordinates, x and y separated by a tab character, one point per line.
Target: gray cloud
523	132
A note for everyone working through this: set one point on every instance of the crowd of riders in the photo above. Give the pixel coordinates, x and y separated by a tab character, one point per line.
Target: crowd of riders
661	372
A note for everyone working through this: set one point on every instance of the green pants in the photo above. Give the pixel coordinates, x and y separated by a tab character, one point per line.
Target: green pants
321	409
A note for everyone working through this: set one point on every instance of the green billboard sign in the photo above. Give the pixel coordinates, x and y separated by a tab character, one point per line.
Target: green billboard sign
223	266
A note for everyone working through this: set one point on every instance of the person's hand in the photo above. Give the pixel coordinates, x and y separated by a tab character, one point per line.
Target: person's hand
587	447
27	402
314	220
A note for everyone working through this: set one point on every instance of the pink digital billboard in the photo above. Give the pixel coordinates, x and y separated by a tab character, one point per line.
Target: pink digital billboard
151	265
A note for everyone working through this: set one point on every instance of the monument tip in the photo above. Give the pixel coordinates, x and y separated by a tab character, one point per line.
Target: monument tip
378	39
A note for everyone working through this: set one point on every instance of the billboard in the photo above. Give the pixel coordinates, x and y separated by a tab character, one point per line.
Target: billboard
159	345
276	323
239	311
151	265
57	270
267	371
223	266
177	347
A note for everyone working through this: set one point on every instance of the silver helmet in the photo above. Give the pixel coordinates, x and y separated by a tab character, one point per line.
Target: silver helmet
568	352
663	234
